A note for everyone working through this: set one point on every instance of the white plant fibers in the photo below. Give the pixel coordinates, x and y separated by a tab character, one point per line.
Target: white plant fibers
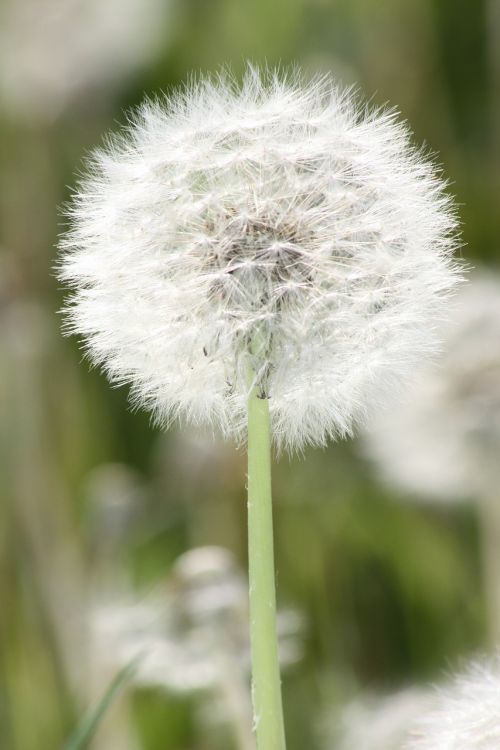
381	723
466	714
278	226
443	441
191	634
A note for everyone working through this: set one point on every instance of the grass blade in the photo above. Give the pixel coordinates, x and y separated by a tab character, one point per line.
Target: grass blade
89	724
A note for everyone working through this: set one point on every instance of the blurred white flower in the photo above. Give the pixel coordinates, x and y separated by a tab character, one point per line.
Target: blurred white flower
381	723
192	635
465	715
52	51
280	226
443	441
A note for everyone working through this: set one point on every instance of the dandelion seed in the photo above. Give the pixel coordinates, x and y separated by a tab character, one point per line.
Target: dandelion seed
191	637
281	211
442	443
381	723
269	260
186	633
466	714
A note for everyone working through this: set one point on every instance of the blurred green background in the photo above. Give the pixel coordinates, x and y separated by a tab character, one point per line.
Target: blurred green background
390	590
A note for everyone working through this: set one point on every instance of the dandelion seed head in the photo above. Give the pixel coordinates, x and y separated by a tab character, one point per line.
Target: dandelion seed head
442	441
381	723
192	634
209	584
278	226
466	714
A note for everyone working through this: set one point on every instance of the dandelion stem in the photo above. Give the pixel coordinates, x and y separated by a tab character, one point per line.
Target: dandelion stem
266	683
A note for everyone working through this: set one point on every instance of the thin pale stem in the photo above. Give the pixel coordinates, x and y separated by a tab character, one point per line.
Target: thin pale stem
266	682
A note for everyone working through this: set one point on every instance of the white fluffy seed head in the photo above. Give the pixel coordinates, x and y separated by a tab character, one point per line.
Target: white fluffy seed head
381	723
278	226
466	714
443	441
191	634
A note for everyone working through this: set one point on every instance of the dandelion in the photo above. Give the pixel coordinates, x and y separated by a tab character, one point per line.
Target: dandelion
278	228
466	714
191	635
436	444
268	260
442	443
381	723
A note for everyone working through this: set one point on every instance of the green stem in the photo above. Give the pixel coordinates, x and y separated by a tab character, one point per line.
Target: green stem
266	683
